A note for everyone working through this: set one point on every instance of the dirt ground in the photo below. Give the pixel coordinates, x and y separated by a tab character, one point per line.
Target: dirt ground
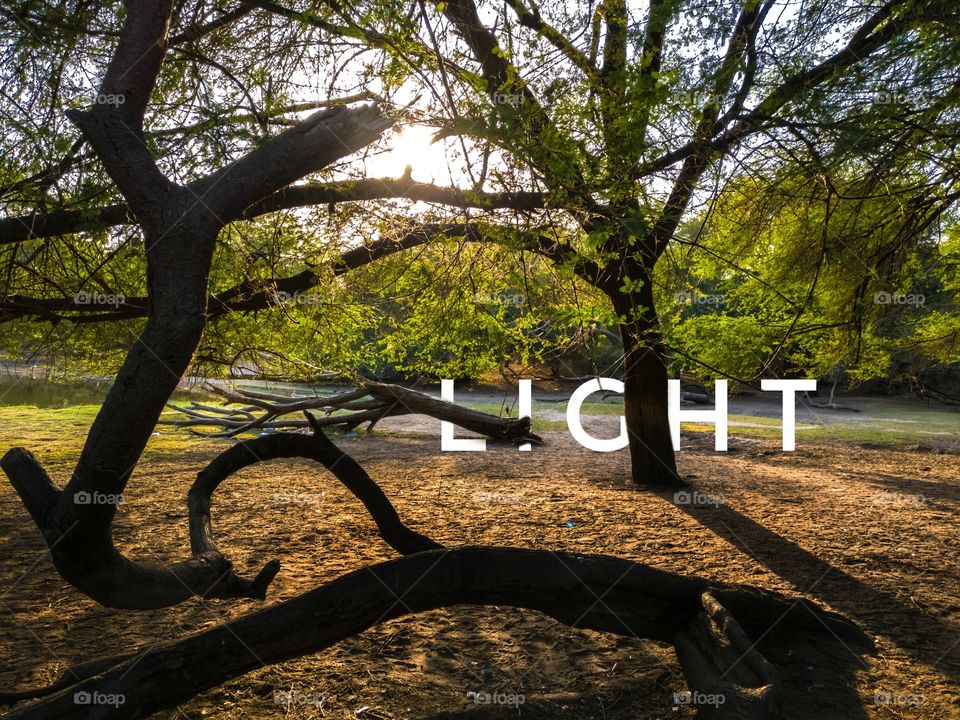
866	531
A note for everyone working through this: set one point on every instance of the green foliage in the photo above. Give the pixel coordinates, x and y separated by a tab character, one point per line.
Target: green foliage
789	240
781	279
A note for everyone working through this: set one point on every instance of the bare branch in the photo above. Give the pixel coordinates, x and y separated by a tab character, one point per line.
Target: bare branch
385	400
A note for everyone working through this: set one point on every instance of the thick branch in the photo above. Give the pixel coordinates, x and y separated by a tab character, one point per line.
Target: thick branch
382	189
84	554
64	222
311	145
878	30
315	447
257	295
114	124
538	134
88	559
638	601
744	32
651	61
534	21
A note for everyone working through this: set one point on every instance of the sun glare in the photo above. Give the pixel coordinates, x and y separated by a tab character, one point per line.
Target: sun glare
410	147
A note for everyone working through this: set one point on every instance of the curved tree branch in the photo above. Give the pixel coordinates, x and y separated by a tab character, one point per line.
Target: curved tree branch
34	226
315	447
637	601
249	295
90	561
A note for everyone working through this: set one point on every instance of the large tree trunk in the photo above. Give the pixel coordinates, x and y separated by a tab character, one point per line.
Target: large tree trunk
652	460
180	224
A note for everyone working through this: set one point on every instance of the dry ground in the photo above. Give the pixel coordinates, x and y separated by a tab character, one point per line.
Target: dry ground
869	532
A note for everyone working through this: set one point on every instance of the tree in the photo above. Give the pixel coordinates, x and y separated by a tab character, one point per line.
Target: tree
180	224
595	164
597	133
868	299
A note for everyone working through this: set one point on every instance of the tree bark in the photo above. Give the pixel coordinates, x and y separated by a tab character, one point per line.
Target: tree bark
385	400
315	447
652	459
180	226
508	430
638	601
720	661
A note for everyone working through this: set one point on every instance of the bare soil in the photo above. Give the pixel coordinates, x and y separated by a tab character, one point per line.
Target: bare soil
870	532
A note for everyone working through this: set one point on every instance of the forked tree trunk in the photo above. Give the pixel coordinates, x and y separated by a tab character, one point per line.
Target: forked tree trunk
180	224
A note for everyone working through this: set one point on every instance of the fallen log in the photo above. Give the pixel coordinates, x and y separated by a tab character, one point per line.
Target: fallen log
369	403
637	601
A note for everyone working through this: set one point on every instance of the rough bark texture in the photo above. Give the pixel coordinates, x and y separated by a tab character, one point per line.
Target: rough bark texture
652	459
638	601
120	583
720	662
288	445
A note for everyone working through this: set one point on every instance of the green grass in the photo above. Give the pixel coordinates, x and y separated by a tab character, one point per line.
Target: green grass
56	434
881	429
894	426
611	406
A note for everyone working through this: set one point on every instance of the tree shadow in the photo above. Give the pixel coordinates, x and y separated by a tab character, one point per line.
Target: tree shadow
878	611
817	676
930	489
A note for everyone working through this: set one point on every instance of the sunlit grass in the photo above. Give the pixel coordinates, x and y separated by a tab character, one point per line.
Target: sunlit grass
56	435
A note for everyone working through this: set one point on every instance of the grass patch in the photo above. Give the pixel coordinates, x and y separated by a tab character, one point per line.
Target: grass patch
924	427
56	435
